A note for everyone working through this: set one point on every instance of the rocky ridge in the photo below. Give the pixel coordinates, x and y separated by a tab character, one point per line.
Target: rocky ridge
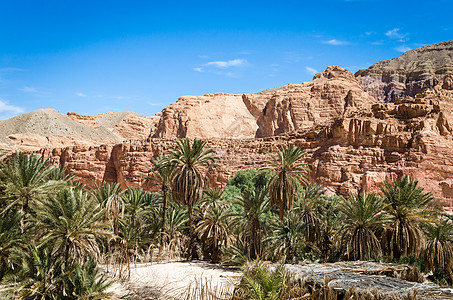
47	128
408	74
353	140
348	151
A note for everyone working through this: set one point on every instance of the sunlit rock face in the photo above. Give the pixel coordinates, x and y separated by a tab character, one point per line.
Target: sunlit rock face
355	137
408	74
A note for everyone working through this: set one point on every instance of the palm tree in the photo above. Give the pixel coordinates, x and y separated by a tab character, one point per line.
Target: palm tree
10	240
363	215
287	239
71	222
26	180
213	230
439	250
87	283
136	206
102	192
287	175
408	206
309	206
191	162
40	275
249	219
163	174
212	197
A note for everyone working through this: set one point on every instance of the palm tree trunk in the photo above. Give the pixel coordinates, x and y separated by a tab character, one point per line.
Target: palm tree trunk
164	216
192	250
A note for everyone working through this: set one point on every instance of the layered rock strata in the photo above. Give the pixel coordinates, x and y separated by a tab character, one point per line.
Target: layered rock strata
346	153
408	74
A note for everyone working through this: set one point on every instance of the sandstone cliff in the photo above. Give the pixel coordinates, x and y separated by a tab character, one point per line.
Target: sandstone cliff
125	124
347	152
210	116
353	140
408	74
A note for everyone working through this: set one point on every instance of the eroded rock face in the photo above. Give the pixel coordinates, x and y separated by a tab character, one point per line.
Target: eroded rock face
347	153
410	73
210	116
333	93
125	124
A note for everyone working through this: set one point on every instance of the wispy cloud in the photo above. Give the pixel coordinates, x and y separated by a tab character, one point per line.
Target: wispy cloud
33	90
396	34
7	110
223	67
228	63
403	48
156	104
29	89
335	42
80	94
11	69
311	71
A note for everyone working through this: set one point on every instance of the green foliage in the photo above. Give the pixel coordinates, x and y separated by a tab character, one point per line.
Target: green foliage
409	207
288	173
261	282
363	216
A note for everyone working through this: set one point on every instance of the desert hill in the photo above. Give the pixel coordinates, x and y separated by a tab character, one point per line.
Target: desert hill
47	128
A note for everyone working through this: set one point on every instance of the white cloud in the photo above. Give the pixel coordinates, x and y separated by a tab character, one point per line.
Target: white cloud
228	63
335	42
5	107
403	48
81	94
227	68
29	89
155	104
311	70
396	35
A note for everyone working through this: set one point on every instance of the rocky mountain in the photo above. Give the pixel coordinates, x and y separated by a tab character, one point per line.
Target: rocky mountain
408	74
354	135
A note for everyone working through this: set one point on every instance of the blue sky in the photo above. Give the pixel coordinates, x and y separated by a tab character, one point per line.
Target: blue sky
98	56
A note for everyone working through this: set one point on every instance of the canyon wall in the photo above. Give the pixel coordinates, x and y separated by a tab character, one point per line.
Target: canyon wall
392	119
345	153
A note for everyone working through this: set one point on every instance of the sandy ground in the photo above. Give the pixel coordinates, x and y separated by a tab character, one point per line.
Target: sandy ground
159	281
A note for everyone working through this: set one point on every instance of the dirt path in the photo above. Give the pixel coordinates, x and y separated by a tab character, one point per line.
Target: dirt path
158	281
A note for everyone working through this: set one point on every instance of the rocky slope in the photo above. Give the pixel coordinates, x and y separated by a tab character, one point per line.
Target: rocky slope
408	74
348	151
353	140
47	128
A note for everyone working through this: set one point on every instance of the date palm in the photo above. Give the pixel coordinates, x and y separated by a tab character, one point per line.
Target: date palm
10	240
102	192
162	173
363	216
308	207
192	162
27	178
408	206
249	219
288	173
40	275
71	222
287	239
438	255
213	230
